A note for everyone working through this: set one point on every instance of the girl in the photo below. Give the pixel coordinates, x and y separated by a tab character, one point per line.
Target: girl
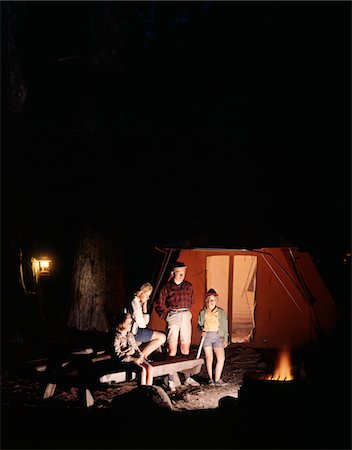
213	324
142	334
127	351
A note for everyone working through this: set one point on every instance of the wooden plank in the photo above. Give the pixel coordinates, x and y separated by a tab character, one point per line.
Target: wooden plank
171	367
88	398
49	390
160	368
102	357
116	377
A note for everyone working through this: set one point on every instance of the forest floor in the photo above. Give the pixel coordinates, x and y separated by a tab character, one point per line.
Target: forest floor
238	361
322	421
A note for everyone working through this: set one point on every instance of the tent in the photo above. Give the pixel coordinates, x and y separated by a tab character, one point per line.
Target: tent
273	297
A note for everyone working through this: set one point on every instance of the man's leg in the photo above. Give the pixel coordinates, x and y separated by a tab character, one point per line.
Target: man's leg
173	330
185	331
172	349
185	338
185	348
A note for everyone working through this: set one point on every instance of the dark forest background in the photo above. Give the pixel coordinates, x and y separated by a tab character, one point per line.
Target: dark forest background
219	123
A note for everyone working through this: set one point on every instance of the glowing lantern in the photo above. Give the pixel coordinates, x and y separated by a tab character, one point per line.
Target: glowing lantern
42	265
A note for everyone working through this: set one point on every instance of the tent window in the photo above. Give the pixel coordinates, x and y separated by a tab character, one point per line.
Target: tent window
242	294
218	277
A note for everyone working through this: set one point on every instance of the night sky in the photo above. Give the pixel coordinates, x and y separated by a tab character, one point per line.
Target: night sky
224	123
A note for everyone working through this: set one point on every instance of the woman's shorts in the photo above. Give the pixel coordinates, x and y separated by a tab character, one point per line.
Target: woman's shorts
144	335
212	339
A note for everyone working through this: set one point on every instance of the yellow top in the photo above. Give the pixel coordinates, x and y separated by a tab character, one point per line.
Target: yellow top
211	320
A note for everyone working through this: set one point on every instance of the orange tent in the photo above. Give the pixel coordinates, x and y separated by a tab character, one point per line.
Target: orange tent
273	297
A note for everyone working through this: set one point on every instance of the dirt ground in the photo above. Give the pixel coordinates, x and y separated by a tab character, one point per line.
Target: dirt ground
321	420
26	385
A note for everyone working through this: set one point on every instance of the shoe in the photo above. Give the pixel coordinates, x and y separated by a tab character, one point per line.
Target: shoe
220	383
172	386
190	382
211	383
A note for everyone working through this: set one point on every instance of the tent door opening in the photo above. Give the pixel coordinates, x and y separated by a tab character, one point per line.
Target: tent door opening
234	279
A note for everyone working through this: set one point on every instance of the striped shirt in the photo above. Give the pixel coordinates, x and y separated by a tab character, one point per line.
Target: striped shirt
174	296
125	346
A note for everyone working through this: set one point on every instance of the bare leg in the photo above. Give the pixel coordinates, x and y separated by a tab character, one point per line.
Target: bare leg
149	373
143	376
220	360
157	340
185	349
208	351
172	349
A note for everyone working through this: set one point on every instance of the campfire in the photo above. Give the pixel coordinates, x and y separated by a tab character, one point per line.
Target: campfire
283	369
278	388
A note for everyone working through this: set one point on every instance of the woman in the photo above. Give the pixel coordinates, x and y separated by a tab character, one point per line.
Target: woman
142	334
213	323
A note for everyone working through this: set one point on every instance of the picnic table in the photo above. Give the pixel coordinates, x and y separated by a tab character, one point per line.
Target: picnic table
92	368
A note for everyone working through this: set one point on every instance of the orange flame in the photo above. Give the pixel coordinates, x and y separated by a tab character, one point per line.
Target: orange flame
283	371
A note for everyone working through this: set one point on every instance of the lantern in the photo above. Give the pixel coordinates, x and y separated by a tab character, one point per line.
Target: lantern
43	265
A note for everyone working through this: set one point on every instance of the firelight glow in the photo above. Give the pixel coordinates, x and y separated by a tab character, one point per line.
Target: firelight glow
283	368
283	371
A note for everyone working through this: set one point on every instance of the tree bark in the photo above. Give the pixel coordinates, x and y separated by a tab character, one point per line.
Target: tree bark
98	283
15	86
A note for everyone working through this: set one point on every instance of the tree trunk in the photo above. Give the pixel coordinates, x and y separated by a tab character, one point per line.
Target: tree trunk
98	281
16	89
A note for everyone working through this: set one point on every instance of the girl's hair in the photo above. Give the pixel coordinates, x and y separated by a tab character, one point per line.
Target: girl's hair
144	287
211	292
121	318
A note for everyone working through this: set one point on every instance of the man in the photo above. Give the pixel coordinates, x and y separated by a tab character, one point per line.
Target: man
173	305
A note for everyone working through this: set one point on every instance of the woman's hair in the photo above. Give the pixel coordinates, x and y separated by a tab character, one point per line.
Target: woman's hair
144	287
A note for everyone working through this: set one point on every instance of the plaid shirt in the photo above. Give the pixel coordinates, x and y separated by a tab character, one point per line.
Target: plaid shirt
174	296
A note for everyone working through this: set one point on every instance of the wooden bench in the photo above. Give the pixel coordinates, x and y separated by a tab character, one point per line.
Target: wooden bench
90	370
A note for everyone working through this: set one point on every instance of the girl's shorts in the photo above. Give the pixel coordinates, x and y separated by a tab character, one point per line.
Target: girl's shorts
144	335
212	339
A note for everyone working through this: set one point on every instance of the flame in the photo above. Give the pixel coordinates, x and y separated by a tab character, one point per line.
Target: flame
283	371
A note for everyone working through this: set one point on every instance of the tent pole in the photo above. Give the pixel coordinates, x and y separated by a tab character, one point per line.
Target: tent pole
282	284
167	257
230	299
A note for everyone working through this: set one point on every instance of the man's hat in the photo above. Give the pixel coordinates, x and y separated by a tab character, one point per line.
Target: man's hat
179	265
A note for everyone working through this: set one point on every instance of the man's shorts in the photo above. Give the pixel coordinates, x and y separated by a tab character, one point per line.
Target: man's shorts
179	324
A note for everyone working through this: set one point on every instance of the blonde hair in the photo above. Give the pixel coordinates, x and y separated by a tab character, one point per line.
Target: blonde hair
144	287
211	295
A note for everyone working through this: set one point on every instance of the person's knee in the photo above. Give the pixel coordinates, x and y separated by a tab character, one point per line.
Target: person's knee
185	349
162	338
172	349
